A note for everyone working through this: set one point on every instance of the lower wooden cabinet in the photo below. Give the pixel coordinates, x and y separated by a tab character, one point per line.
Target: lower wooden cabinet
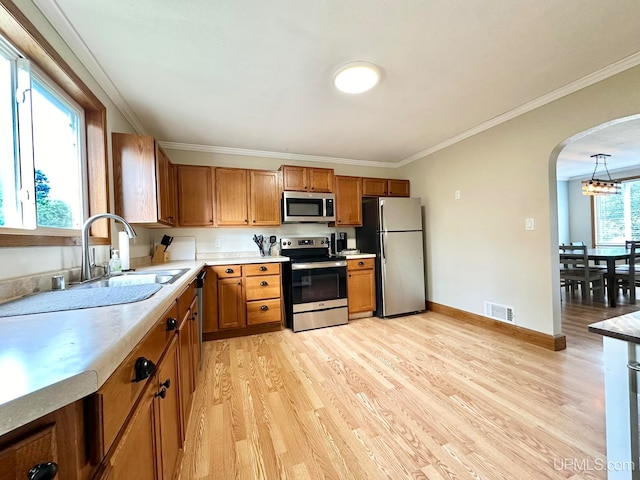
245	297
37	450
361	285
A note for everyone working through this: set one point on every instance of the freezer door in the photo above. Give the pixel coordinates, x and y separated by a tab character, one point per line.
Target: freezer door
400	214
402	272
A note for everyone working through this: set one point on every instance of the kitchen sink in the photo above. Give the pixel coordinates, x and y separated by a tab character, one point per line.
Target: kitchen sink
162	277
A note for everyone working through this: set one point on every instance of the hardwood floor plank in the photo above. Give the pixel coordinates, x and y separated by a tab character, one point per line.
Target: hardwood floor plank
422	396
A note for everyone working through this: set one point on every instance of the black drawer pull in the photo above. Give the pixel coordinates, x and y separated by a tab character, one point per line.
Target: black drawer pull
143	368
264	308
263	268
172	324
166	383
263	283
360	264
162	393
229	270
43	471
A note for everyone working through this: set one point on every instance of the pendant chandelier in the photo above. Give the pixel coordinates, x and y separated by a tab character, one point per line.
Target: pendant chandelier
601	187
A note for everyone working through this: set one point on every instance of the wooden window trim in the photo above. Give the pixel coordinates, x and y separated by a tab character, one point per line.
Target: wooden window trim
17	28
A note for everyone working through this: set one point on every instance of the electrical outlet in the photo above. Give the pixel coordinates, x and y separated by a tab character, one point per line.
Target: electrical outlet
456	195
529	224
217	243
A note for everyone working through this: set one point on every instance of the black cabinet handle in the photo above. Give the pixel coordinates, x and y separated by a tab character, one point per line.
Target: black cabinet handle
166	383
263	268
162	393
264	308
172	324
194	316
229	270
143	368
263	283
360	264
43	471
254	221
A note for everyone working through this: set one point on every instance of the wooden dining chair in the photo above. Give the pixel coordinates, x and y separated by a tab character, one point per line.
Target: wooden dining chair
628	276
575	271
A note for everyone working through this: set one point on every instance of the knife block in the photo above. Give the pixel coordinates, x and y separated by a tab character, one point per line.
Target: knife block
159	256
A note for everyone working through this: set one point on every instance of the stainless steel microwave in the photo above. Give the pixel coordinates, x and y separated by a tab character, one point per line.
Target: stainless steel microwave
301	207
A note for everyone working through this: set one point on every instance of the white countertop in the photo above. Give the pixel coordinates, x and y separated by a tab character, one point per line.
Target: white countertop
360	255
230	259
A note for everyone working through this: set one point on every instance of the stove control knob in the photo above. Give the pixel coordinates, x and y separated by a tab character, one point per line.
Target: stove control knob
288	243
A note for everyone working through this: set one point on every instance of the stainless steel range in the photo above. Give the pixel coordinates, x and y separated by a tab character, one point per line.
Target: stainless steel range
315	284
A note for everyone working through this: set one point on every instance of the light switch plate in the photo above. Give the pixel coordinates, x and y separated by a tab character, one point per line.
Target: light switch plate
529	224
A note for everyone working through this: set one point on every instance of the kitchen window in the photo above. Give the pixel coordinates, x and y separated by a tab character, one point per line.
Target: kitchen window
617	217
42	162
53	158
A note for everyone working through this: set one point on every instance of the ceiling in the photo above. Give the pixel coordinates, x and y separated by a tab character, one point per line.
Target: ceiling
255	77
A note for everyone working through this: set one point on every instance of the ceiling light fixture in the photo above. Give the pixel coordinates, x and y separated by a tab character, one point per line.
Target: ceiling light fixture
356	77
601	187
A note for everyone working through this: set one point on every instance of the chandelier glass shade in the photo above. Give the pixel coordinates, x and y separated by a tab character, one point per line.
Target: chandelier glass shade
598	186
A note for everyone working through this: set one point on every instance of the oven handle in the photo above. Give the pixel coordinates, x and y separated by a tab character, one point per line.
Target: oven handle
312	265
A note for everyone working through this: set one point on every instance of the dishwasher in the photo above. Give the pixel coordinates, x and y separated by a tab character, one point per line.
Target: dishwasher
200	293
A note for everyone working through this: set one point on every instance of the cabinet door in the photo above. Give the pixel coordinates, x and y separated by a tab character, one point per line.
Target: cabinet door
265	197
398	188
173	194
163	188
294	179
210	302
168	412
348	201
135	455
195	344
231	306
361	291
232	199
38	448
195	196
321	180
374	187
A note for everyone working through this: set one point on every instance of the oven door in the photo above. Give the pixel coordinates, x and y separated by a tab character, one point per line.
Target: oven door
318	285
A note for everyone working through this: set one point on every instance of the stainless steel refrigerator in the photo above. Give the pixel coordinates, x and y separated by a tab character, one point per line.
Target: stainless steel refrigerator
392	229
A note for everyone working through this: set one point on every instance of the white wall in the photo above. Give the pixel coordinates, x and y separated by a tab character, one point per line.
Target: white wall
564	234
477	247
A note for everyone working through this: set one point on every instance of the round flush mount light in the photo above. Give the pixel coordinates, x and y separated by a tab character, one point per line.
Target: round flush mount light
356	77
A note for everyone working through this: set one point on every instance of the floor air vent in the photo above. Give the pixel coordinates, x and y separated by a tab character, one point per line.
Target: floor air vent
499	312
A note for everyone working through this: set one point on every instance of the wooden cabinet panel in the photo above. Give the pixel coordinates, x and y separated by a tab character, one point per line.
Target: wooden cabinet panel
135	454
264	311
168	411
267	286
398	188
195	344
265	193
307	179
210	302
254	269
361	264
231	304
361	290
186	377
374	187
232	199
141	181
195	196
38	448
348	201
228	271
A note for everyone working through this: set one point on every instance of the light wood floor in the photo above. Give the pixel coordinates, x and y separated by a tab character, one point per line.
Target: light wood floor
423	396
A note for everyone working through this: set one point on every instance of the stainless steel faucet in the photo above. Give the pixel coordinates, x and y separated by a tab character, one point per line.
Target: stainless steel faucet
86	262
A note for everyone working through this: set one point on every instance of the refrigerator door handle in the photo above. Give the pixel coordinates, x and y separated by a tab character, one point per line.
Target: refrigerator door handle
382	215
382	246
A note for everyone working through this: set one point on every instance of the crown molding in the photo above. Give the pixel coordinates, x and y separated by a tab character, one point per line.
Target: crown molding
595	77
268	154
56	17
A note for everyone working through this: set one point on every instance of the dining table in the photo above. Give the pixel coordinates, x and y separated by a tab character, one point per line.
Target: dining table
610	255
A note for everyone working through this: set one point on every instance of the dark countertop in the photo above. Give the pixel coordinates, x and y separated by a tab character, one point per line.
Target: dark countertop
625	327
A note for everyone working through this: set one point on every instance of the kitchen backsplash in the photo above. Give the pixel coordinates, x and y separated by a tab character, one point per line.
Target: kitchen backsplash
223	240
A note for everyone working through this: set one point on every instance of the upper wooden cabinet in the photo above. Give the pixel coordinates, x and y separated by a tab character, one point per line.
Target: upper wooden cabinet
383	187
398	188
143	183
348	192
265	193
195	196
247	197
307	179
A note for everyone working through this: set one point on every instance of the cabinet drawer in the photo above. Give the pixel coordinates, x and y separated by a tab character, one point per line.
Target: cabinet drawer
112	404
262	269
266	286
360	264
227	271
185	299
264	311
